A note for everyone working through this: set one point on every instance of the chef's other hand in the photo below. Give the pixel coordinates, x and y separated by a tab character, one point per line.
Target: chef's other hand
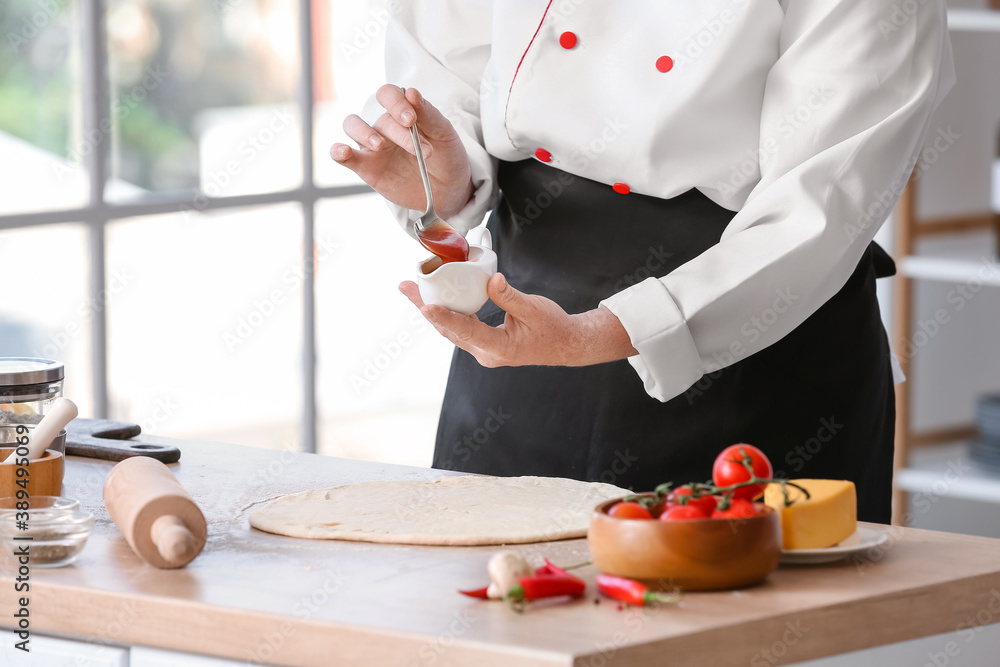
535	330
384	158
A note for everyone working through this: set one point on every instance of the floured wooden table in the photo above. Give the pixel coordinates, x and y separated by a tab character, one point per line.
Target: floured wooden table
258	598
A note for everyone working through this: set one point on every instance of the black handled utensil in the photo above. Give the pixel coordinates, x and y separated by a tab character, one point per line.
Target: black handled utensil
113	441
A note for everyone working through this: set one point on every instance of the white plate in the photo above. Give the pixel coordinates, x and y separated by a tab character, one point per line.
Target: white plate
862	540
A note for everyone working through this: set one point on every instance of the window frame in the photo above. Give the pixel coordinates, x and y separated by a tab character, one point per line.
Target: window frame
96	98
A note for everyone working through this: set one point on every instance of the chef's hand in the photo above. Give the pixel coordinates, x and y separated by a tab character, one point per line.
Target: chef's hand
385	160
535	330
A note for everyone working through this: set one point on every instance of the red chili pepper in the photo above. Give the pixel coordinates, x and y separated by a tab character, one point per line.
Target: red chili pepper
548	570
546	586
630	591
551	568
555	569
479	593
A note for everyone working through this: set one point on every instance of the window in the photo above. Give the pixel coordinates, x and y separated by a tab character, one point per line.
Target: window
172	228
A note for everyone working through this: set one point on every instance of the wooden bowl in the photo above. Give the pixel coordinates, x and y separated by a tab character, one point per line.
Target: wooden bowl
693	554
45	475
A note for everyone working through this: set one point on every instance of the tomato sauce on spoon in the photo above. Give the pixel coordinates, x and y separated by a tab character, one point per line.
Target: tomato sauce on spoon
442	240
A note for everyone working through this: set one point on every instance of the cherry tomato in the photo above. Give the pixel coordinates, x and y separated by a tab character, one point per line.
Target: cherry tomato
705	503
729	469
683	512
629	511
740	508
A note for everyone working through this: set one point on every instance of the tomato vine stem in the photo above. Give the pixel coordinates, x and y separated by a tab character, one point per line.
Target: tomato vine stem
701	489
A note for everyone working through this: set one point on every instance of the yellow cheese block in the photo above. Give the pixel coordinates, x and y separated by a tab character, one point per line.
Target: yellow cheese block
828	516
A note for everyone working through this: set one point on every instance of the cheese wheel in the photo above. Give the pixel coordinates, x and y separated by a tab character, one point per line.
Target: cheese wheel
828	516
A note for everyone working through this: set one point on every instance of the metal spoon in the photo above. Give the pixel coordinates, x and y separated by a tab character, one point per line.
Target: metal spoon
430	216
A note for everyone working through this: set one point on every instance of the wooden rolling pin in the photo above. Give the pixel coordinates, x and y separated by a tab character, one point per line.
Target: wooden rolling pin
160	520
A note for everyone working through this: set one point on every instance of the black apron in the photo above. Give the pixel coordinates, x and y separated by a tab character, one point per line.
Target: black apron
819	402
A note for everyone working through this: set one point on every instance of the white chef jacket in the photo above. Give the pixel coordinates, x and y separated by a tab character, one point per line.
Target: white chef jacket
805	117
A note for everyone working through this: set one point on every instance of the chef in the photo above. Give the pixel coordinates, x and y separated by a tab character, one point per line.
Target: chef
683	197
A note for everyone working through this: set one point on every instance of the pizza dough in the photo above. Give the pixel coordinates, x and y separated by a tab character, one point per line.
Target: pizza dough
455	510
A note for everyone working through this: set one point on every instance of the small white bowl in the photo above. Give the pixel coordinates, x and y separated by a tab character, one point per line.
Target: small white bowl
56	528
458	286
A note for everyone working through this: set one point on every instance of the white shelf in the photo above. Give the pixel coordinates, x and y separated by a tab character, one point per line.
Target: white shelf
946	471
978	20
952	269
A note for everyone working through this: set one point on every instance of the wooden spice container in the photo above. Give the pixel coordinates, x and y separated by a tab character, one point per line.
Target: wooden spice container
45	475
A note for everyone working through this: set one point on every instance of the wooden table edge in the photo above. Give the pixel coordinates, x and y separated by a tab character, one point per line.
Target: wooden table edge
968	595
247	635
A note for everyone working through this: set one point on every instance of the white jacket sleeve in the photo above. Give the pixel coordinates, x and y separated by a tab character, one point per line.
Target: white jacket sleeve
441	48
847	106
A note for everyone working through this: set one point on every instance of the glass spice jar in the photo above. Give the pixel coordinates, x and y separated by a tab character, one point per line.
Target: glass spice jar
28	388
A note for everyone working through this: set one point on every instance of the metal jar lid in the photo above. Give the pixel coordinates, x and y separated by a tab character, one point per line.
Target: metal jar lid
17	371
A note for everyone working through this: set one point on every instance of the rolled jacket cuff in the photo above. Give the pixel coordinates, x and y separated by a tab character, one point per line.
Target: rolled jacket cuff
668	361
